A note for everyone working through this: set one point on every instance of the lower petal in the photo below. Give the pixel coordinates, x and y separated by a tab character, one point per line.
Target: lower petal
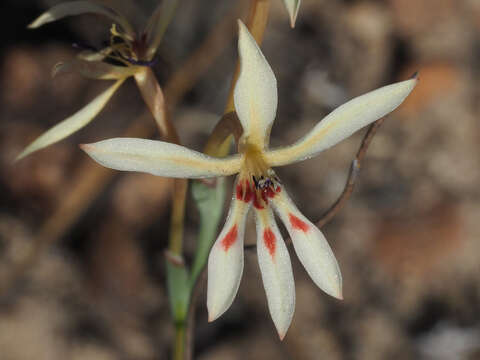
225	263
311	247
276	271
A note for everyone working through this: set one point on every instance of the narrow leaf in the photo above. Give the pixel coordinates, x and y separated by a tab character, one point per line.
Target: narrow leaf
178	290
209	201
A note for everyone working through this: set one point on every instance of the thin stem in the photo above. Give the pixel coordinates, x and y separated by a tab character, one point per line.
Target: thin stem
352	175
179	348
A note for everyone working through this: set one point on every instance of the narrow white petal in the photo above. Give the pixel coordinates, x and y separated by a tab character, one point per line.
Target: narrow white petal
255	93
94	69
311	247
73	123
72	8
343	122
225	263
276	271
292	7
159	158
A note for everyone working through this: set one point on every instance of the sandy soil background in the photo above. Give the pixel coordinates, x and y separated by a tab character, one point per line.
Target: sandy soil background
407	242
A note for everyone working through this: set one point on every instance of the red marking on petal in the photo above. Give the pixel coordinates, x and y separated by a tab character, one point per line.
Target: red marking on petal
244	192
278	189
230	238
264	195
270	193
298	224
248	192
269	240
256	203
239	192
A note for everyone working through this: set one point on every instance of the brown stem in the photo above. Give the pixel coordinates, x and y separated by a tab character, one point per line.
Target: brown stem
228	125
352	175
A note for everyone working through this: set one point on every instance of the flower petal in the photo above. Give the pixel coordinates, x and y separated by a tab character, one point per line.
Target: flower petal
100	55
159	158
343	122
94	69
276	271
292	7
157	25
73	123
255	93
311	247
72	8
225	263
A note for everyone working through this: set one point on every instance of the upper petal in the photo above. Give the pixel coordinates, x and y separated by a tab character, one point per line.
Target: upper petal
73	123
311	246
159	158
343	122
292	7
255	93
276	270
72	8
225	263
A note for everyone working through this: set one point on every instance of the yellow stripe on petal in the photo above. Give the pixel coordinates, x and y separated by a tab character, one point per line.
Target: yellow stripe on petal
255	93
343	122
225	263
73	123
276	270
159	158
94	69
72	8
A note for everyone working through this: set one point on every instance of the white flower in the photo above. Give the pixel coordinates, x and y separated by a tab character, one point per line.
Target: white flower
256	184
134	50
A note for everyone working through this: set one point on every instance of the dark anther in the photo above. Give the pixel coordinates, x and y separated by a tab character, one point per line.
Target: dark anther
255	181
150	63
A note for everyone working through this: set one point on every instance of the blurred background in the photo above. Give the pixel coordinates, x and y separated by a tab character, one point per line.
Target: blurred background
407	241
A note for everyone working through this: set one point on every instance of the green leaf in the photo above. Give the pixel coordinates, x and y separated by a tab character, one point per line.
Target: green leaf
178	290
210	201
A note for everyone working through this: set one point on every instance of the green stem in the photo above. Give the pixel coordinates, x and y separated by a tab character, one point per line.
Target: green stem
179	348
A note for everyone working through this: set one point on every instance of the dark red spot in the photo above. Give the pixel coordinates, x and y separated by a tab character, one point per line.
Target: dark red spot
269	240
270	192
256	203
239	192
246	195
298	224
264	195
230	238
278	189
248	192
